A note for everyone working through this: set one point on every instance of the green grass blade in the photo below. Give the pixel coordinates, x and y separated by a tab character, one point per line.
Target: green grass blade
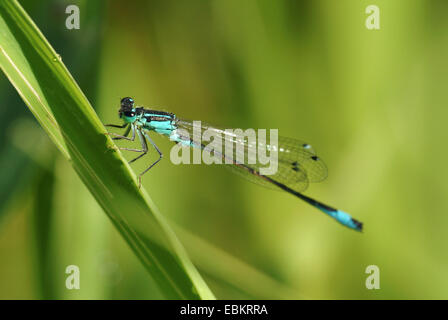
50	92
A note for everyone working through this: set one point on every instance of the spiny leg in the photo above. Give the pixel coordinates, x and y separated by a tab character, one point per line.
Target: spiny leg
119	137
130	149
160	157
117	125
125	134
144	147
120	127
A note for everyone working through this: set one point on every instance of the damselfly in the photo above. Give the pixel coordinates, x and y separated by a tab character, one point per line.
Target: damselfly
298	164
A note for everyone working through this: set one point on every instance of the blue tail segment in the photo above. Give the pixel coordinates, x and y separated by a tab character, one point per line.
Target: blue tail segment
342	217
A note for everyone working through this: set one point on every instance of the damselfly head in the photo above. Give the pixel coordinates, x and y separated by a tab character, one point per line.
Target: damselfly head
126	107
127	103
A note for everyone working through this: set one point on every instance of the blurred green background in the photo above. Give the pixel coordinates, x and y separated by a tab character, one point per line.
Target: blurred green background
373	104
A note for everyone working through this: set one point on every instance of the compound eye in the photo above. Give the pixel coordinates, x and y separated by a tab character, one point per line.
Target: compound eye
127	102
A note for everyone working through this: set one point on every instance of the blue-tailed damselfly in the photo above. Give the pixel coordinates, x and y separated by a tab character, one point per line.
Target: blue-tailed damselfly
298	164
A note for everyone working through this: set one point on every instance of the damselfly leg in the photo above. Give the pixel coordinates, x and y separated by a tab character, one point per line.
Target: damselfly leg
144	147
143	136
126	133
155	162
117	125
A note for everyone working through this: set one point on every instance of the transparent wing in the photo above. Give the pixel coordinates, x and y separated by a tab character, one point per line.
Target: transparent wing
297	161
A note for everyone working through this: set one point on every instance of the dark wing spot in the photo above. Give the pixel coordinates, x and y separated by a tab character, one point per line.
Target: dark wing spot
315	158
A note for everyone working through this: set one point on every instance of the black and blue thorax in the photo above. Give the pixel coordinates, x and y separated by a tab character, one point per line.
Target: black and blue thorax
159	121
